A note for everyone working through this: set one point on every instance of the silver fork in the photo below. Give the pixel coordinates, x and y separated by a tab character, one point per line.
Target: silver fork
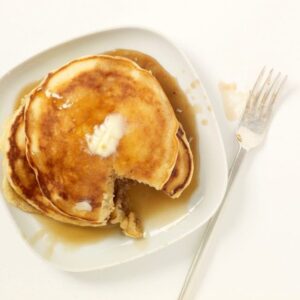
250	133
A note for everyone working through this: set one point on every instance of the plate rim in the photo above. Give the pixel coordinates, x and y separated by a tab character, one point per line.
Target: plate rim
218	132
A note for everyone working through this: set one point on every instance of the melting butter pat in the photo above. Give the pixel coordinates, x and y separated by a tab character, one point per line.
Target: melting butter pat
84	205
106	136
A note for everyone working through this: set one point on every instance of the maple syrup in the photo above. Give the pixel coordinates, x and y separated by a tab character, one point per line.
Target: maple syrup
154	208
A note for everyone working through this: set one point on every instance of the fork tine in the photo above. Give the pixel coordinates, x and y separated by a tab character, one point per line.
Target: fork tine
258	79
274	95
268	92
256	84
257	100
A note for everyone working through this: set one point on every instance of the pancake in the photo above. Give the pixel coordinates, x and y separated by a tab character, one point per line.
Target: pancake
53	165
129	223
22	190
16	200
183	170
21	178
69	108
8	192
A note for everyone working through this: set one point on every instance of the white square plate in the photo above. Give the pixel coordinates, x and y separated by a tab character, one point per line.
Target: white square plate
205	199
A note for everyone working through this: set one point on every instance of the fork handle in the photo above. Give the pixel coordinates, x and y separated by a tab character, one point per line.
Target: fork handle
212	222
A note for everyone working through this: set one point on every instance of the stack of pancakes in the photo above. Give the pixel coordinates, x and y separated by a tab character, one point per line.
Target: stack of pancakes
48	164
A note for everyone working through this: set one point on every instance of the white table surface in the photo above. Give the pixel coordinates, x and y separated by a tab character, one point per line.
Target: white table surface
255	250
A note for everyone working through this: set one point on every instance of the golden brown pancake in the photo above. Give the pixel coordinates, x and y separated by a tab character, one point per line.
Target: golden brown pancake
183	170
16	200
129	223
106	87
21	177
184	167
21	188
9	193
66	108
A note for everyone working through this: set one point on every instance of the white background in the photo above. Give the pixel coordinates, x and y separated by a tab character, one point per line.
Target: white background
255	250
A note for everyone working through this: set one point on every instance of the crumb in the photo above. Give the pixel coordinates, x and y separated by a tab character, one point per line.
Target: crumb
204	122
195	84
